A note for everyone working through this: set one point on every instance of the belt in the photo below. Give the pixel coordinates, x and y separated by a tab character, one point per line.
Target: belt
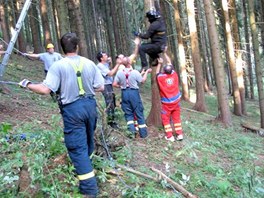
86	96
80	97
129	89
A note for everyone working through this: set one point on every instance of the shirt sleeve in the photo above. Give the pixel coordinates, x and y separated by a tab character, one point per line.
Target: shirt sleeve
103	69
98	78
41	56
52	80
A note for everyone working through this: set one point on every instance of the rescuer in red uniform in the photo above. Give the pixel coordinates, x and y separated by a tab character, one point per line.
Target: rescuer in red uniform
170	95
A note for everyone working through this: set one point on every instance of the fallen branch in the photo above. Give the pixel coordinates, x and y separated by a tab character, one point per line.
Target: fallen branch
255	129
177	186
137	172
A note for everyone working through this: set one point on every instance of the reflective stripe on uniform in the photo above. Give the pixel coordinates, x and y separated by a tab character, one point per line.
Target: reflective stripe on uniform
177	124
160	33
178	128
86	176
142	126
167	126
130	122
168	130
91	156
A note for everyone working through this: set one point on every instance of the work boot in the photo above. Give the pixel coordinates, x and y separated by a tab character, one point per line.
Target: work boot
179	137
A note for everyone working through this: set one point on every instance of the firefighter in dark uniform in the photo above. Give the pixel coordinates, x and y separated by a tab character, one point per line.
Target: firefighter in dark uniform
157	33
128	79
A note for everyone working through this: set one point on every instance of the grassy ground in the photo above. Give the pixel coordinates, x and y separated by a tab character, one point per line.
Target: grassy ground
212	161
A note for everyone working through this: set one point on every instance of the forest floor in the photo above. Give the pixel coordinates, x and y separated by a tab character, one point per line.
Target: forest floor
211	161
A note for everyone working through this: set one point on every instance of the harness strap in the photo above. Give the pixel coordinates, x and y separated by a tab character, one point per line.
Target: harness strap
78	70
127	75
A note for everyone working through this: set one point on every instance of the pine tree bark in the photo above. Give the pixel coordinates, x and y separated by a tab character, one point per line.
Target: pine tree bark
238	55
182	60
3	22
231	60
258	69
196	58
76	21
45	21
21	37
248	50
35	28
223	104
63	19
154	118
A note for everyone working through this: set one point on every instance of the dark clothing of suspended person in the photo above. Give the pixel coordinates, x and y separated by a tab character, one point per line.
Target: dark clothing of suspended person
157	34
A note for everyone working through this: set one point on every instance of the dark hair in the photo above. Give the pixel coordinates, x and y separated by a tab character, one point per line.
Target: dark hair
100	55
168	69
69	42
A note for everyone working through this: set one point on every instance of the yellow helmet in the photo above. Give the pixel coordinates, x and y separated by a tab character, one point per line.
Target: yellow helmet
50	45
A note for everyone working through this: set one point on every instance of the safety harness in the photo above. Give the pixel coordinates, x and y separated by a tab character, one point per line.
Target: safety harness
127	75
78	70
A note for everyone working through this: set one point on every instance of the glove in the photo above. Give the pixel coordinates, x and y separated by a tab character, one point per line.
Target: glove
136	33
24	83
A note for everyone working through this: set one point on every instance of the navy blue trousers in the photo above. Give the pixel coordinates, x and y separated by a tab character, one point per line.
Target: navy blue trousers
132	105
79	120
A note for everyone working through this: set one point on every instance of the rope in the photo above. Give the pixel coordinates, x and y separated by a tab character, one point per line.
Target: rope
8	82
13	47
109	155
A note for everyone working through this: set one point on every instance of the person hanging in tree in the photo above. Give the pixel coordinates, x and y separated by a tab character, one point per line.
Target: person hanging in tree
157	33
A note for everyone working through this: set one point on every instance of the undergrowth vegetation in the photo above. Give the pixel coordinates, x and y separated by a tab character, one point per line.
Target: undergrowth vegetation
211	161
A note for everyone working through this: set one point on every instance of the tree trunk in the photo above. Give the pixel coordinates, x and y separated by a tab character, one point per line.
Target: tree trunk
258	69
196	58
21	37
154	117
35	28
223	104
76	21
63	19
182	60
115	24
45	21
239	61
3	22
248	50
232	62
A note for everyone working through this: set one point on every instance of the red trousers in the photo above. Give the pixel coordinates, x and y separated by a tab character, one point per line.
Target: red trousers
171	116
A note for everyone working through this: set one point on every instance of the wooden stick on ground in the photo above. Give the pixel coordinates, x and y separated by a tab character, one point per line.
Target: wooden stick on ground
177	186
137	172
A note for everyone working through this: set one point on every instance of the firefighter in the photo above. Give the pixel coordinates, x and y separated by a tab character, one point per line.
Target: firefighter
48	58
170	95
128	80
108	93
157	33
77	78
